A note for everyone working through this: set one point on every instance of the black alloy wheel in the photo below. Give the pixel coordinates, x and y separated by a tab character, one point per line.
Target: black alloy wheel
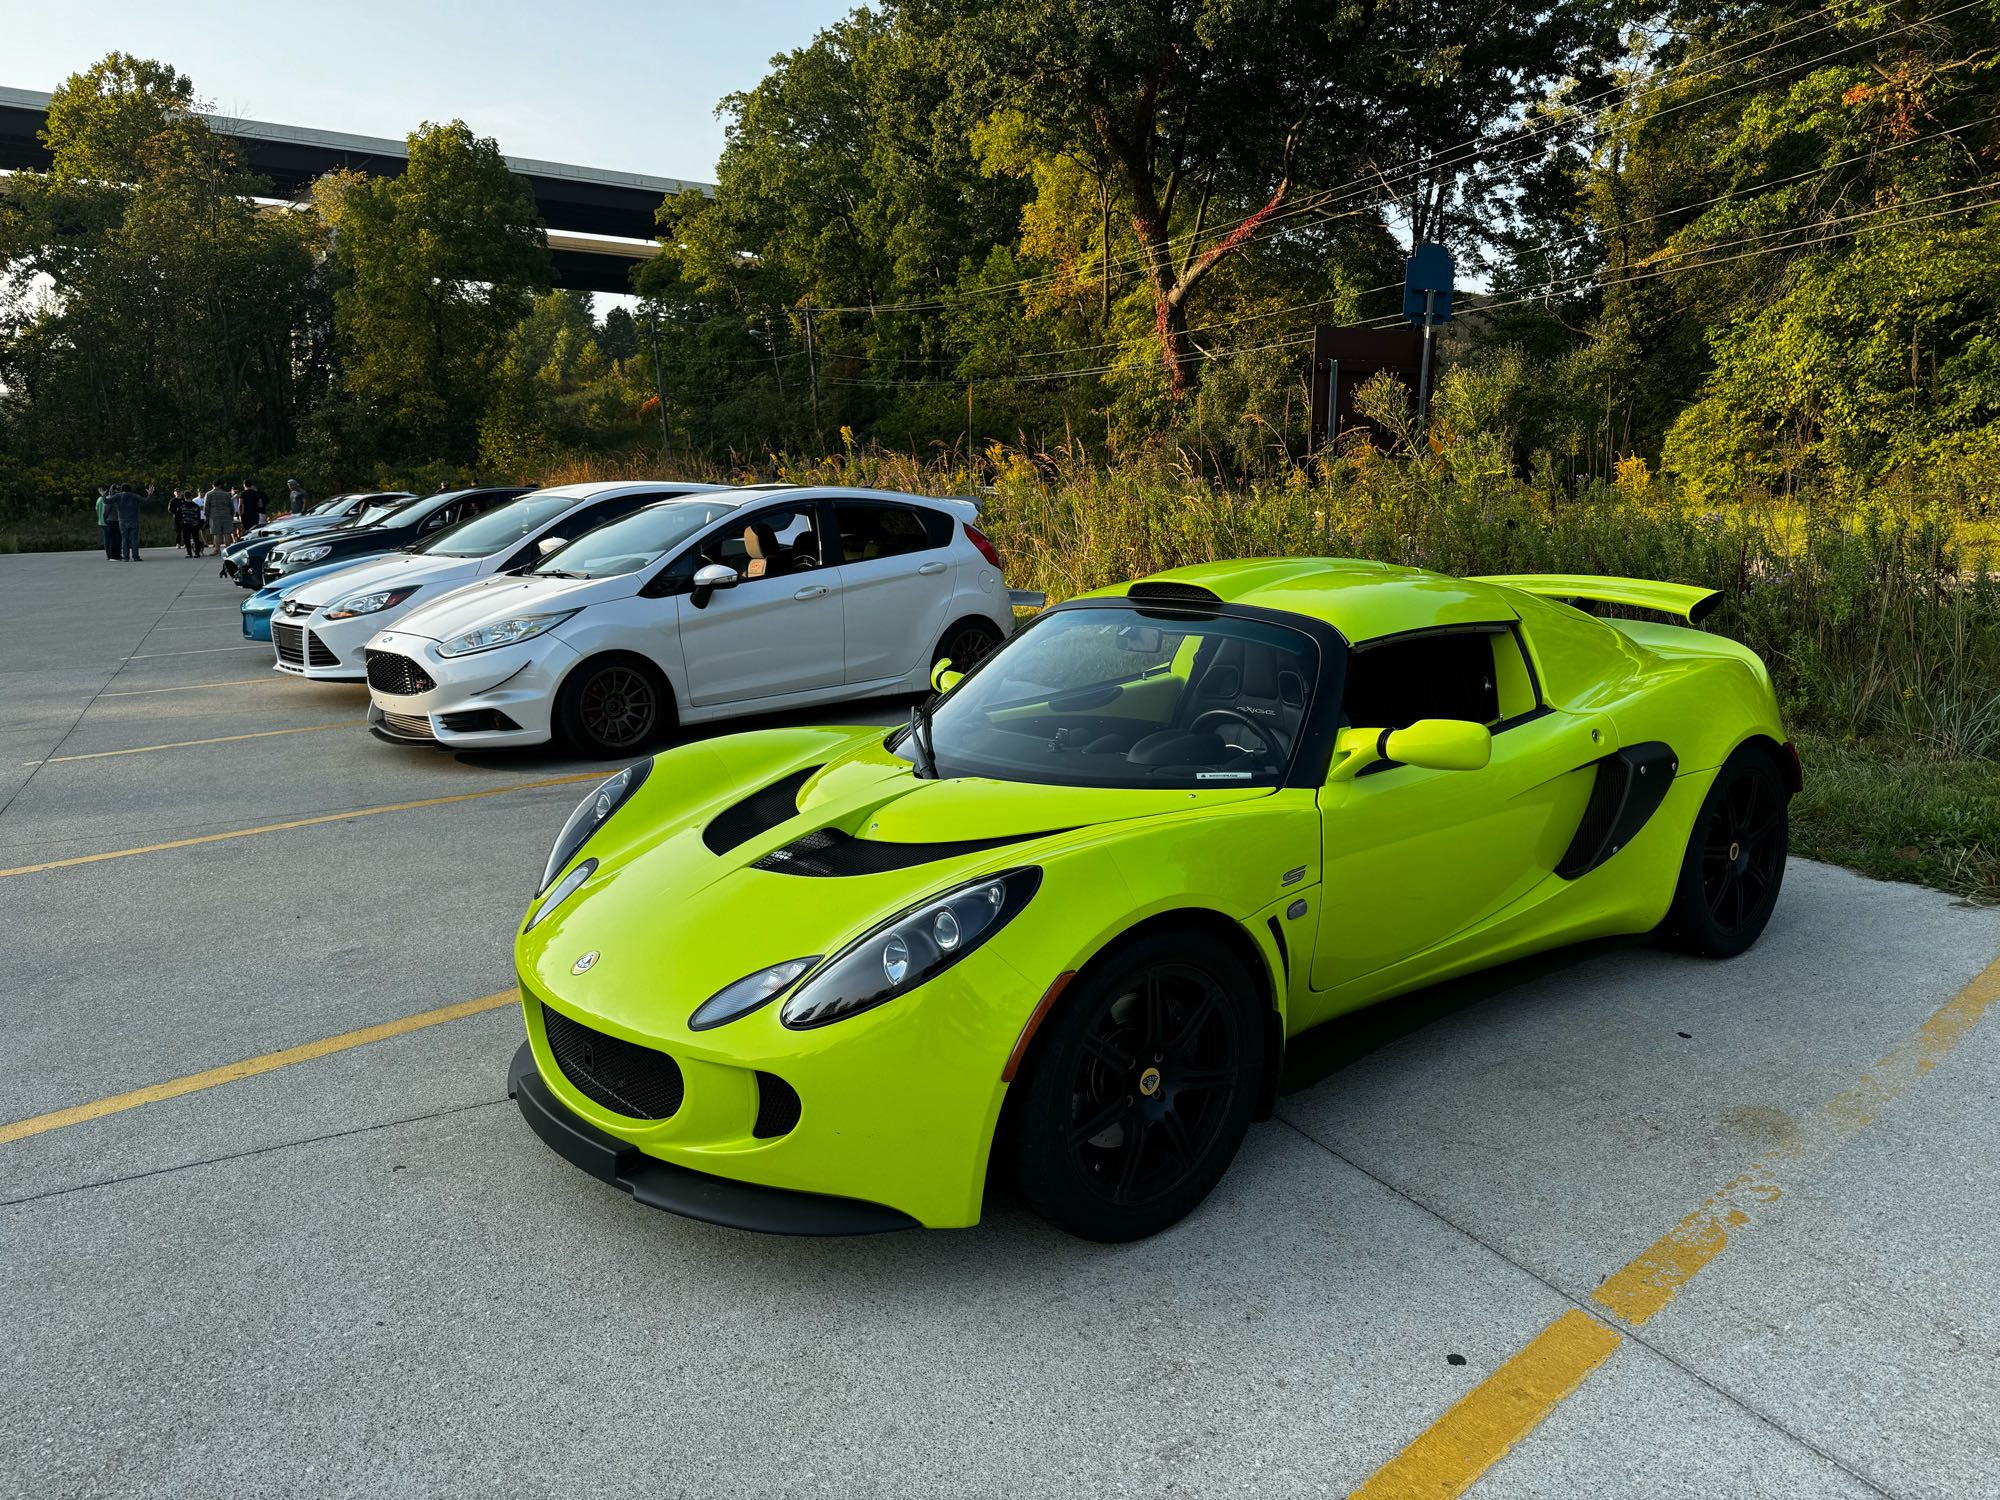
611	707
1141	1092
1735	861
966	644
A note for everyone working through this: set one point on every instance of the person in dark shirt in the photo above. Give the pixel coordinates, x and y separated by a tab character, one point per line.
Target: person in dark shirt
254	504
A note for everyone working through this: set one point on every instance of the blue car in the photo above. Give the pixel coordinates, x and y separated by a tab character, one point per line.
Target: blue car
260	606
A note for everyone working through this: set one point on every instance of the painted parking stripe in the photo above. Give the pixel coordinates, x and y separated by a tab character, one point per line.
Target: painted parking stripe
250	1067
204	651
220	739
339	817
1450	1455
189	687
1497	1413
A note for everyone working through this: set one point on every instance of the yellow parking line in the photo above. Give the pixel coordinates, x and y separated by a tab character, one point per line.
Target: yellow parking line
189	687
204	651
250	1067
339	817
1497	1413
220	739
1505	1407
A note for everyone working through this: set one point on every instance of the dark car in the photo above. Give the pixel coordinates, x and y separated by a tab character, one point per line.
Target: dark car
244	560
407	524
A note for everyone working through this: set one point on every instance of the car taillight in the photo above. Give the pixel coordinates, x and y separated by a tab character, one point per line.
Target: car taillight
986	549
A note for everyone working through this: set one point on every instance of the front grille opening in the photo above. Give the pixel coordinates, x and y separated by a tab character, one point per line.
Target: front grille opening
409	726
396	675
624	1077
777	1108
476	721
318	653
757	813
289	639
1184	593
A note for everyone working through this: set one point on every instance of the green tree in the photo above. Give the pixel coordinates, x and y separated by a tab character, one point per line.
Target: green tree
437	267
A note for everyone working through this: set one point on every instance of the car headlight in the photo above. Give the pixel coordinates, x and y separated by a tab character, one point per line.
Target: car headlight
307	554
910	949
502	633
590	815
562	892
748	993
370	603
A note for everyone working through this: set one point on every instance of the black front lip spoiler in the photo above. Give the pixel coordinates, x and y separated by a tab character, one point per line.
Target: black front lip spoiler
680	1190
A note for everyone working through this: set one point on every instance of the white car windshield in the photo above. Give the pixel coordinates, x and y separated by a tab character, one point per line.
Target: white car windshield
1118	697
379	511
497	529
633	542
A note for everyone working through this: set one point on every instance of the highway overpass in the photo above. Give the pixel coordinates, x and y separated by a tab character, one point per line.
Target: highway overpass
600	222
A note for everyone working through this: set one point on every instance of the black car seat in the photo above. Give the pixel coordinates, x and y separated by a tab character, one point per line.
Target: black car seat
1252	680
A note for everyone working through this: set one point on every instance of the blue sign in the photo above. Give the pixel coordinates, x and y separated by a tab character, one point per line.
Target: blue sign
1427	274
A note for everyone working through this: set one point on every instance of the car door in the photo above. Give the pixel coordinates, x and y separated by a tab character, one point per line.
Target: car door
895	584
1416	857
778	631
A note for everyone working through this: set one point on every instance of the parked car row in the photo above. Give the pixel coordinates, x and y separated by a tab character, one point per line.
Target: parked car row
598	615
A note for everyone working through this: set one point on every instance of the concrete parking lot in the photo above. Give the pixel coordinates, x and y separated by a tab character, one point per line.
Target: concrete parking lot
1615	1222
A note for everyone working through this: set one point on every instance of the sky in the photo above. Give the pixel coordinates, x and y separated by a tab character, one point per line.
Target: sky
630	86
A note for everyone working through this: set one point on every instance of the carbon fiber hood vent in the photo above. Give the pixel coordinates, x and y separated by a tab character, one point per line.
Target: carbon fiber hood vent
829	852
1170	592
757	813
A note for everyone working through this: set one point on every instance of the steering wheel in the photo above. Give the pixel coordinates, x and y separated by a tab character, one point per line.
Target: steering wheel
1265	737
804	562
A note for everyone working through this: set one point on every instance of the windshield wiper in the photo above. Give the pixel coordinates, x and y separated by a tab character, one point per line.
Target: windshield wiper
557	573
920	737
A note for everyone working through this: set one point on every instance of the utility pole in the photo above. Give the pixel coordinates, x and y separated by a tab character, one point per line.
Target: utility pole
812	366
659	380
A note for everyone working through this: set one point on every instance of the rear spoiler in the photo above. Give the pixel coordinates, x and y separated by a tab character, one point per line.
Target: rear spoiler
1685	600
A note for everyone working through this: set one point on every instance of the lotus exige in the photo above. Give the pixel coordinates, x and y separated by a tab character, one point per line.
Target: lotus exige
1060	926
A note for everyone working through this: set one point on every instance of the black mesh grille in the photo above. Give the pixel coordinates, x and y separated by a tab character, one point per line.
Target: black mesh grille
622	1076
831	852
290	641
777	1107
757	813
1185	593
393	674
318	653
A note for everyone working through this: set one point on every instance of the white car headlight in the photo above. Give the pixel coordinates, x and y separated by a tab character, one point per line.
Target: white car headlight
306	554
369	603
502	633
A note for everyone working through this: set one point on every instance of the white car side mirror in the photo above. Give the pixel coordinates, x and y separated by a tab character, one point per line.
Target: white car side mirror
549	544
708	579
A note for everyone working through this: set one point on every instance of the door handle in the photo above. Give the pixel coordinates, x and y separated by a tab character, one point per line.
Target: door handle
810	591
931	569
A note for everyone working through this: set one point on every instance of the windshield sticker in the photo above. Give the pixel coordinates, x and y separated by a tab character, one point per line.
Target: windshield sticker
1223	775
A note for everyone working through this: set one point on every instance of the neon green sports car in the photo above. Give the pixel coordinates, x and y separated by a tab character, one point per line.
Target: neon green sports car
1059	927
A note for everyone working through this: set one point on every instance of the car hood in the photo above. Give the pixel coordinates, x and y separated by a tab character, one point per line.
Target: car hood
508	594
393	571
292	526
657	855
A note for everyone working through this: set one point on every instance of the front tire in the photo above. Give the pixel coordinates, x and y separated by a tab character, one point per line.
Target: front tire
1735	860
965	645
1140	1088
612	705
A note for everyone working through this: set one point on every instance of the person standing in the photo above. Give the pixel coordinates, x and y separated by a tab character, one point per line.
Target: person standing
125	505
254	502
295	497
107	523
215	508
187	523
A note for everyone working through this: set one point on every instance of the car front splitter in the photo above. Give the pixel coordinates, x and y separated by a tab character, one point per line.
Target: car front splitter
681	1190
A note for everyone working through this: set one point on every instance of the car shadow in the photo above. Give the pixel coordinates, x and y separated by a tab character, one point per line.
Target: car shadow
1315	1055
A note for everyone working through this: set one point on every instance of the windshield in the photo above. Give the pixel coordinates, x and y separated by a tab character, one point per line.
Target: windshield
634	542
376	512
1131	698
480	536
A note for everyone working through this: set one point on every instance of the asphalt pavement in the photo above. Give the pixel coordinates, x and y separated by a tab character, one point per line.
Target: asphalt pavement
1613	1222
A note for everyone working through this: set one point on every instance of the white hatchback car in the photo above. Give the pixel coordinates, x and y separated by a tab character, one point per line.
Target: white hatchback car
321	628
694	609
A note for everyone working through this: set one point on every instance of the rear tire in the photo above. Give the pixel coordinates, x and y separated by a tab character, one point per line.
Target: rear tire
613	705
966	643
1140	1088
1735	860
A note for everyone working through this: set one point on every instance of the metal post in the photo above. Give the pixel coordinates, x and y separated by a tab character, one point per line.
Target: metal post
1424	378
812	366
659	380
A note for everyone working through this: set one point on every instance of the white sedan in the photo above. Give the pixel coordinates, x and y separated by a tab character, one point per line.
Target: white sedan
692	609
321	628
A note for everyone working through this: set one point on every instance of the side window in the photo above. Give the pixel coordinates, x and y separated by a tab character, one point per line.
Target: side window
444	517
869	531
578	521
1478	675
772	543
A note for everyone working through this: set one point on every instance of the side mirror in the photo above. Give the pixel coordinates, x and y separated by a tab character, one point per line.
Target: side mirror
1434	744
707	580
943	679
549	544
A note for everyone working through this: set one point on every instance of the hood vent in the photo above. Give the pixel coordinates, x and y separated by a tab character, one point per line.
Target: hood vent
1167	592
829	852
756	814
